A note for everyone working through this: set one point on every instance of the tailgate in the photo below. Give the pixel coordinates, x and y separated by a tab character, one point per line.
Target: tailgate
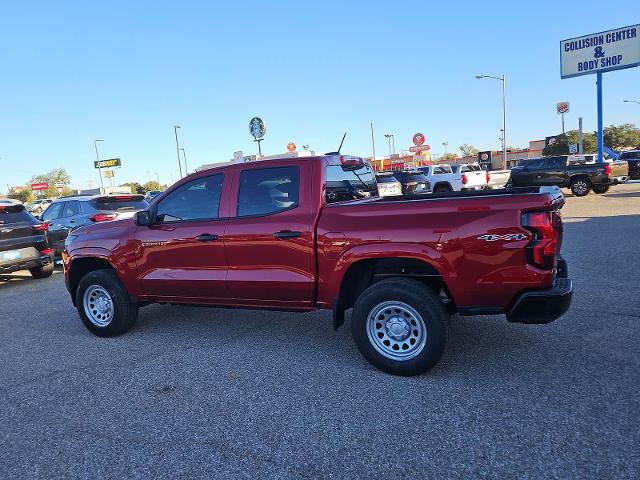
619	168
476	179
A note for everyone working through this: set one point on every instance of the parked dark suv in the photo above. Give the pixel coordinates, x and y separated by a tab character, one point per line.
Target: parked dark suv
413	183
68	213
632	157
23	242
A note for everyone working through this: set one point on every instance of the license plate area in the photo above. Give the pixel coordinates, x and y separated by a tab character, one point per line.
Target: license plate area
10	255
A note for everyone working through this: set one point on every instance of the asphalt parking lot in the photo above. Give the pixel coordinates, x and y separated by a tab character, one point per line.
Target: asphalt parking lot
242	394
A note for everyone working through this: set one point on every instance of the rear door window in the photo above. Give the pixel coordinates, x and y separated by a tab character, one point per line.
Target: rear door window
265	191
14	214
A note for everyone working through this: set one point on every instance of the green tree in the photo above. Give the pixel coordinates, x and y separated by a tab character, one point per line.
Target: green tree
57	175
448	156
152	185
135	187
25	196
621	136
468	150
561	147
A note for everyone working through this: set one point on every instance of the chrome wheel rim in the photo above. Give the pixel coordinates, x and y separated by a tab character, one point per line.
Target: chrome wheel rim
580	187
396	330
98	305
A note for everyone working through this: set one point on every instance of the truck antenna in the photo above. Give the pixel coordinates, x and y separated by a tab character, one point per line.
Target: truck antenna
343	137
339	148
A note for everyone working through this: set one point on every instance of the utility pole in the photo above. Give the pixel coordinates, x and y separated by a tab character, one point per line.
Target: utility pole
184	156
388	136
445	145
373	148
175	131
95	144
580	144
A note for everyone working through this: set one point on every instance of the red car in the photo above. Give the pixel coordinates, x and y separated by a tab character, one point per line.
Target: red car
311	233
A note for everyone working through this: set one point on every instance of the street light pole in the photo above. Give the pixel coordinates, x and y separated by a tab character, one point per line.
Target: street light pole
388	137
184	156
95	144
175	131
503	79
445	145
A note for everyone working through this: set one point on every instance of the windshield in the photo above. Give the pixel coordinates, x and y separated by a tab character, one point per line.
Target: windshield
349	184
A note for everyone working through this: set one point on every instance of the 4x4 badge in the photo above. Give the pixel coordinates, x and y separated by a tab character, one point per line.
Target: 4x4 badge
509	236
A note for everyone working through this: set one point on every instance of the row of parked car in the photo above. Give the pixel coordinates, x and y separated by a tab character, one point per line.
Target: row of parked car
440	179
31	243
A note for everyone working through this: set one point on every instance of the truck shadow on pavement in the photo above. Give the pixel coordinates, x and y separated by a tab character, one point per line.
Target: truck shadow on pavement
623	195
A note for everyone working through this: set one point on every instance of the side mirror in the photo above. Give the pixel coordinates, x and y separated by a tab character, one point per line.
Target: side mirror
143	218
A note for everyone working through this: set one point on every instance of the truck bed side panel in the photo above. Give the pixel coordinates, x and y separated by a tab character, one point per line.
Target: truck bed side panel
465	239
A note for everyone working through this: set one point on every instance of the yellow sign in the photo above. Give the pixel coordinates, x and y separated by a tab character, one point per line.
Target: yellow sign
112	162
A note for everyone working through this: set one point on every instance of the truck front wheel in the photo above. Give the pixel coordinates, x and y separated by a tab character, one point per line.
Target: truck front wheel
400	326
580	186
103	304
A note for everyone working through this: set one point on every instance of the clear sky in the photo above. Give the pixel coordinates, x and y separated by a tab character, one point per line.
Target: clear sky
128	71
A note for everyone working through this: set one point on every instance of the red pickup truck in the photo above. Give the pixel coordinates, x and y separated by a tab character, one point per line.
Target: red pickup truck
300	234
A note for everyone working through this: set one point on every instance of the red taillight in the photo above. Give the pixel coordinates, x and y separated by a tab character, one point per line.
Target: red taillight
547	230
41	227
464	179
607	169
46	251
103	217
488	177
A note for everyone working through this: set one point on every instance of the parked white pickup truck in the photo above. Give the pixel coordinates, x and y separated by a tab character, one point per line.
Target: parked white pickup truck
498	178
455	178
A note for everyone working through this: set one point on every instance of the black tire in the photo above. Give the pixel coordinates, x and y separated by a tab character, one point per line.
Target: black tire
600	189
443	188
580	186
423	301
124	311
44	271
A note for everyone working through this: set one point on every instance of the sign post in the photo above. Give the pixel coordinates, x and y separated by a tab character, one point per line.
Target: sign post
257	128
599	53
562	108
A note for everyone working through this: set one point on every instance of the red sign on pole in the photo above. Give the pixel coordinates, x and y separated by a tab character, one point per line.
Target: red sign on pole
420	148
39	186
418	139
291	147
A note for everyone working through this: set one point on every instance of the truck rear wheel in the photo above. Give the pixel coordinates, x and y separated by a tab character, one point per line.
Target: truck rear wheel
600	189
400	326
580	186
104	305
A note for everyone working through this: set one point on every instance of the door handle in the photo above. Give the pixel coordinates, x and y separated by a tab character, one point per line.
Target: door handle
284	234
207	237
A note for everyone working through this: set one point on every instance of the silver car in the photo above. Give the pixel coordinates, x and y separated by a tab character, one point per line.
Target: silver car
388	185
38	206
